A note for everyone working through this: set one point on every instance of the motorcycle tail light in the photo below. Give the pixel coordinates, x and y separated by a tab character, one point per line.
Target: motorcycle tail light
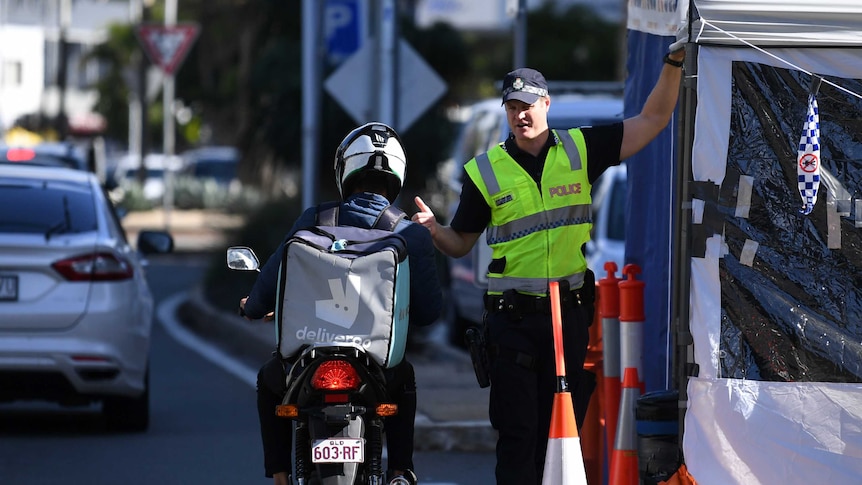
335	375
336	398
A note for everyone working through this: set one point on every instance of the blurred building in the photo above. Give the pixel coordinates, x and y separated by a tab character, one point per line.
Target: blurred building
34	34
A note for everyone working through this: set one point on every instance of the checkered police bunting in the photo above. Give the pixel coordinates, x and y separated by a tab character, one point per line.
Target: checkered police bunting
808	157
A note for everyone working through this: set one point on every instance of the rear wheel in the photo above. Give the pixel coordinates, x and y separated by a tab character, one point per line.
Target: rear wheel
129	413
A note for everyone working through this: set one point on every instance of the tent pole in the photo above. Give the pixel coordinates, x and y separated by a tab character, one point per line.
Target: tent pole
684	351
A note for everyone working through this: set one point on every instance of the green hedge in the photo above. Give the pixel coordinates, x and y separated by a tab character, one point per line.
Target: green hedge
192	193
264	231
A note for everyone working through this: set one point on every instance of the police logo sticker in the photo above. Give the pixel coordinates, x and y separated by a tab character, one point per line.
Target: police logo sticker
808	163
518	84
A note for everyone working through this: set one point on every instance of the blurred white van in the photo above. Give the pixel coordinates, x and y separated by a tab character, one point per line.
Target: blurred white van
156	166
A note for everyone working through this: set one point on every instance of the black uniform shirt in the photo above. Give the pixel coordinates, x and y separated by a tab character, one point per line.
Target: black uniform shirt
603	150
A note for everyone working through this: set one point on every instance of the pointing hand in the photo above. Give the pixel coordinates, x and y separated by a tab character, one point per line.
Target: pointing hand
425	216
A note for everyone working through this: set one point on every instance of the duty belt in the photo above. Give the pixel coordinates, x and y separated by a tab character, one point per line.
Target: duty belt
513	302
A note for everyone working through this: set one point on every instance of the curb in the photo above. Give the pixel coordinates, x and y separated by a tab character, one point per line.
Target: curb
235	332
245	338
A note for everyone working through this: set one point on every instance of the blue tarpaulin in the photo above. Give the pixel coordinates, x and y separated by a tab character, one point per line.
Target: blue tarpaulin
650	208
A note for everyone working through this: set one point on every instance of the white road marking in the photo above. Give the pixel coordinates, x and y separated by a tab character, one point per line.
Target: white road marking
167	312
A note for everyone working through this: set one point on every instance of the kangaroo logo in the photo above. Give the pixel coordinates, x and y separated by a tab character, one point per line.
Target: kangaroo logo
343	307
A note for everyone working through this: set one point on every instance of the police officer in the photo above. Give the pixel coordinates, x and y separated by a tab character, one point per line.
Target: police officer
370	167
532	195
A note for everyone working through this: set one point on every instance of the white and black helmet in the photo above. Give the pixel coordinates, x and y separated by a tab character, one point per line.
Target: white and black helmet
372	148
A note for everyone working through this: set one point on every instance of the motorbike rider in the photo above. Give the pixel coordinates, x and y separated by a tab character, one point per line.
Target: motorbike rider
370	167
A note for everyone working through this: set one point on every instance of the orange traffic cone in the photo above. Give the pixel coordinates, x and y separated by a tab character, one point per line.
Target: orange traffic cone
624	462
609	309
631	316
564	460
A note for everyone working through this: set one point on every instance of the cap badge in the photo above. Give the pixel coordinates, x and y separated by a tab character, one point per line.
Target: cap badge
518	83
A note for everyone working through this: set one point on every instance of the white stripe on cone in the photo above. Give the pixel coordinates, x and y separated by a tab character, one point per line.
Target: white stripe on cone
564	459
564	463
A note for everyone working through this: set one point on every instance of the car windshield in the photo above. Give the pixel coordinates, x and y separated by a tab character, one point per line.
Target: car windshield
222	170
52	208
152	173
566	123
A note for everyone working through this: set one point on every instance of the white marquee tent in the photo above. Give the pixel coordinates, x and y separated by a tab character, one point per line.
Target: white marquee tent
771	298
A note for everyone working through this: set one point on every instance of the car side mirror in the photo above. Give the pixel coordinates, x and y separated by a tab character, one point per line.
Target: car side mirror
155	242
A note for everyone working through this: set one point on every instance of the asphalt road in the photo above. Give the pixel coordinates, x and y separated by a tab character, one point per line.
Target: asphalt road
203	424
200	430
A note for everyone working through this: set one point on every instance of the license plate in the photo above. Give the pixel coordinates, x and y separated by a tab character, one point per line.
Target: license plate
338	450
8	288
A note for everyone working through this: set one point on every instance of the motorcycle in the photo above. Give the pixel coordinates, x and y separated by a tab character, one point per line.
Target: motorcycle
337	399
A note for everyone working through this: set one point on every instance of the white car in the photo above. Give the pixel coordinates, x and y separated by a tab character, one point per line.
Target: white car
608	240
59	154
75	309
157	167
216	163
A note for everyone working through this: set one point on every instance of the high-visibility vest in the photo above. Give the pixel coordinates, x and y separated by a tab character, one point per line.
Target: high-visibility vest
538	233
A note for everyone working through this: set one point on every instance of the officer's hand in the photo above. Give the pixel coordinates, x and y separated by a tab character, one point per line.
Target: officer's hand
678	47
425	216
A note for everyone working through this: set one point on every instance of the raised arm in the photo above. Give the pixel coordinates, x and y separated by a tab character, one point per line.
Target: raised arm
657	110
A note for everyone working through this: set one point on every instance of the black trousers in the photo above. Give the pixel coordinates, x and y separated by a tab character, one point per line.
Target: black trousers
276	432
524	381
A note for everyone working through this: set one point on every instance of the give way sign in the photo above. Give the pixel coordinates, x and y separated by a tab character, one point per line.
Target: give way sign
167	45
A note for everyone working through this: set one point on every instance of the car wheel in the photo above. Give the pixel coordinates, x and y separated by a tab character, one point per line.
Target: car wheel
129	413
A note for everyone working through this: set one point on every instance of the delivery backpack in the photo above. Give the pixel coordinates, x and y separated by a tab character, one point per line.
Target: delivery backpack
345	285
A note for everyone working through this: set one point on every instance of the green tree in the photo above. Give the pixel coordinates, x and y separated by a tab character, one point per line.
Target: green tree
573	44
118	54
242	80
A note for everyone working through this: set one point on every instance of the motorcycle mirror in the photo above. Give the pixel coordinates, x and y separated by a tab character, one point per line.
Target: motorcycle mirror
242	258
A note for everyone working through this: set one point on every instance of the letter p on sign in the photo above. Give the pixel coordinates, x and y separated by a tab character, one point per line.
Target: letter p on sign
344	24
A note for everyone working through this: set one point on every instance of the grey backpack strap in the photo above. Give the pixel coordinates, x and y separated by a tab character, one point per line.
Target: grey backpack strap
388	218
327	214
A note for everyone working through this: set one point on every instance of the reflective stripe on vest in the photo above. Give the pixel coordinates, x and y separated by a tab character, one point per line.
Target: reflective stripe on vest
491	180
550	219
538	234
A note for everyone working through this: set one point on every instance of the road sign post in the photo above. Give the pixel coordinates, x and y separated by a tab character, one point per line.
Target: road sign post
167	46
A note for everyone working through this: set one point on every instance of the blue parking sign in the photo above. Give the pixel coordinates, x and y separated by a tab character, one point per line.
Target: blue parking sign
345	23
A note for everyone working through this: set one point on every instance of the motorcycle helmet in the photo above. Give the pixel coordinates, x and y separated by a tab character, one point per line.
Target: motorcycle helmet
372	150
